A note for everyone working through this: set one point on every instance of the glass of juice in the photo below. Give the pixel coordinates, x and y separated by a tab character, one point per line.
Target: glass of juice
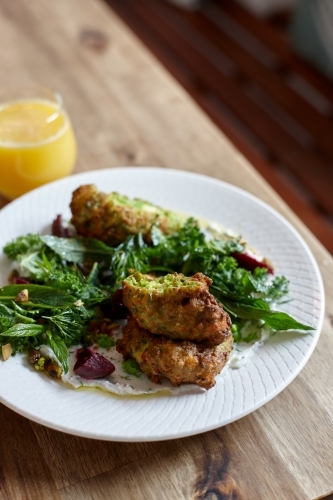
37	142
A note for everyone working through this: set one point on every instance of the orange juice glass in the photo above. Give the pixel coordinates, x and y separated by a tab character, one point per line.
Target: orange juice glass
37	142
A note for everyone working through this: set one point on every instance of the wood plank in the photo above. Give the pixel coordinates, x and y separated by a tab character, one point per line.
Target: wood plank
88	457
278	44
3	201
24	468
196	468
273	83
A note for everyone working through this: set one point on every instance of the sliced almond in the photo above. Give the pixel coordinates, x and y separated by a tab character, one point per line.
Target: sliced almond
6	351
23	296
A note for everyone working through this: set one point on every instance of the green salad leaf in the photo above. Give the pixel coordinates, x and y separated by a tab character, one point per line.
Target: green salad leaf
78	249
59	348
70	277
23	330
39	296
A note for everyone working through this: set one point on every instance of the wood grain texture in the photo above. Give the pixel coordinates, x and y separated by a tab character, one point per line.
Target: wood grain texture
103	456
127	110
24	466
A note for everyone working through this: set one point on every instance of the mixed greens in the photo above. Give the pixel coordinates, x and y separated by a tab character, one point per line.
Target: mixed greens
62	284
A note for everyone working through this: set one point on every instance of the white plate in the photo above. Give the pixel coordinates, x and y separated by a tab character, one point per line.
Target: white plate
95	414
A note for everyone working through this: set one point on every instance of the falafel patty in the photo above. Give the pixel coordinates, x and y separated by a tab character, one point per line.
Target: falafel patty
177	307
113	217
180	361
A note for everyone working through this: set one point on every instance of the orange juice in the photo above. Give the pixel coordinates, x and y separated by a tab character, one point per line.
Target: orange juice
37	145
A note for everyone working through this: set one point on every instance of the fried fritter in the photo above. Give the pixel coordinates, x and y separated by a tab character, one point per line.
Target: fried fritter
177	307
180	361
113	217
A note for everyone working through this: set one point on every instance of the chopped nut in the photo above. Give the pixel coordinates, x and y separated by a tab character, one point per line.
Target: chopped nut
6	351
40	364
53	369
34	356
78	303
23	296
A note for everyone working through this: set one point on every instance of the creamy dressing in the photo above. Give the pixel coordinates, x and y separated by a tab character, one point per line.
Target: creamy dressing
122	383
243	351
119	382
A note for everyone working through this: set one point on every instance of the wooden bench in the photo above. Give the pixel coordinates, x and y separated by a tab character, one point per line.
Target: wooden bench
275	107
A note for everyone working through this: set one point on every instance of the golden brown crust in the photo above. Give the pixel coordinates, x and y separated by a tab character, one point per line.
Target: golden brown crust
113	217
187	312
179	361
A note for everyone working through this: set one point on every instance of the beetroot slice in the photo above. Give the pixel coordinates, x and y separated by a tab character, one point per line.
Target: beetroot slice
61	230
250	263
91	364
17	280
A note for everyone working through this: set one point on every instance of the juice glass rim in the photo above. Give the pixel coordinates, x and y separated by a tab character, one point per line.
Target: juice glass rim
22	93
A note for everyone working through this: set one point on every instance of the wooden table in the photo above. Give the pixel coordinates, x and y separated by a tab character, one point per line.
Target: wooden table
128	111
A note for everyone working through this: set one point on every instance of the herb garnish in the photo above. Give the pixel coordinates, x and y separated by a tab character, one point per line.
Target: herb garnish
70	276
131	366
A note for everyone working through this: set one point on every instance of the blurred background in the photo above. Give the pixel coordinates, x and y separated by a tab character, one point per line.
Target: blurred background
263	71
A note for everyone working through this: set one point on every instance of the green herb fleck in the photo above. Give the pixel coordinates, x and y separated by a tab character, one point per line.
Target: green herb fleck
236	333
131	366
105	341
